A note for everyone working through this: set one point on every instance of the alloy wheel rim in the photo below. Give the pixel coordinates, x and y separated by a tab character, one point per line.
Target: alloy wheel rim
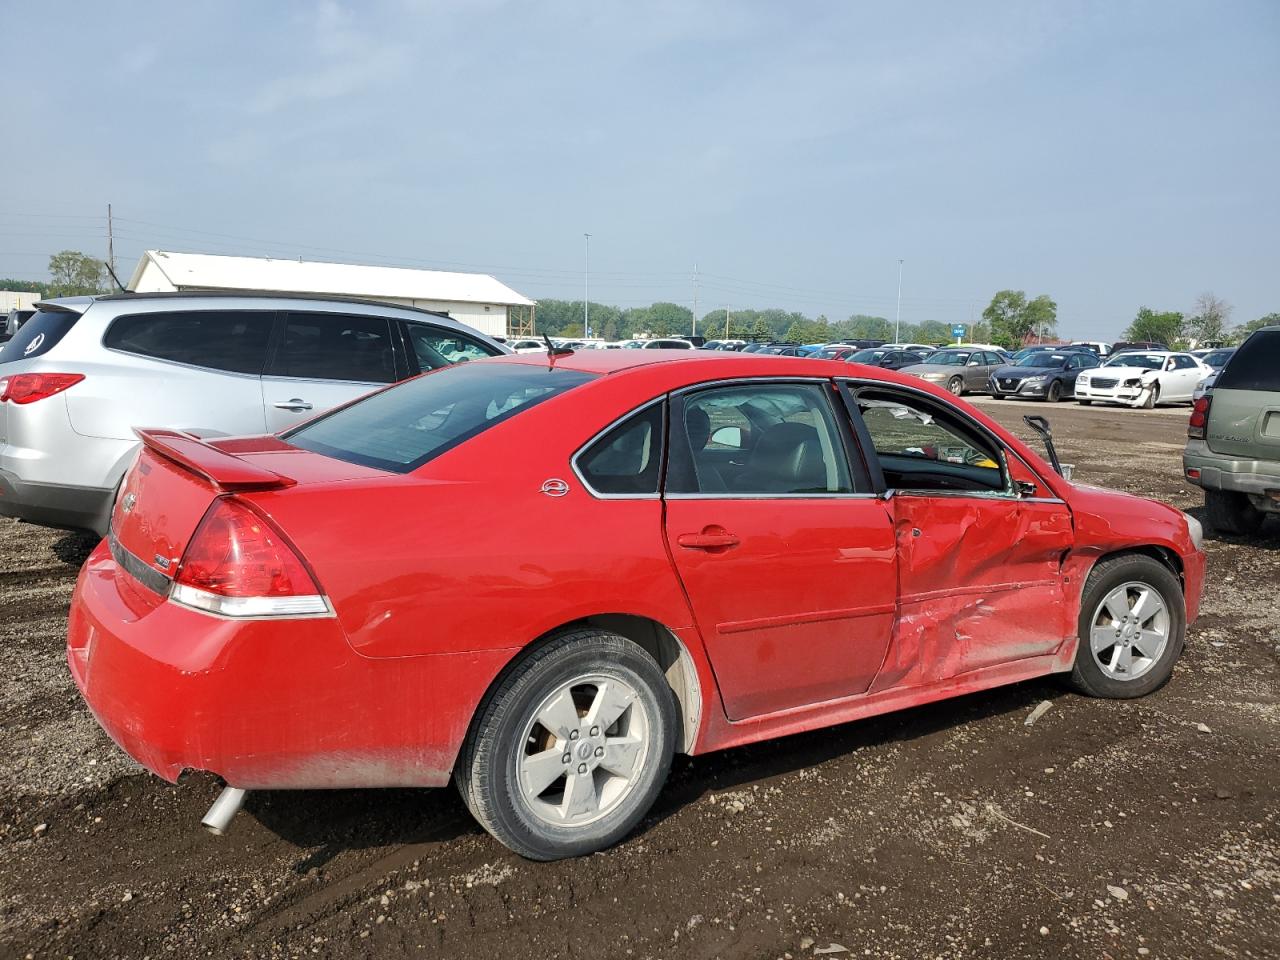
1129	631
583	750
956	386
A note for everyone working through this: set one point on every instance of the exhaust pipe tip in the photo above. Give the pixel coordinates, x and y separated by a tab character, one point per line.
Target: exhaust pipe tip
218	820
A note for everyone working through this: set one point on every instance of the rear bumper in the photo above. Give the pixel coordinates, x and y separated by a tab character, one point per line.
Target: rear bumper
265	704
54	505
1218	471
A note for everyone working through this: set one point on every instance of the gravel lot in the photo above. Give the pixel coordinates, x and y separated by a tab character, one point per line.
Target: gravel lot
1106	829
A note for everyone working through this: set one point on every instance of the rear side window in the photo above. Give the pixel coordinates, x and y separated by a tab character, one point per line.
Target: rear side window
628	459
1254	366
38	335
402	428
231	340
329	346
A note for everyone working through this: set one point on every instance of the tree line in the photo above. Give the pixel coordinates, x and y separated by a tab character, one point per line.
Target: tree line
1012	319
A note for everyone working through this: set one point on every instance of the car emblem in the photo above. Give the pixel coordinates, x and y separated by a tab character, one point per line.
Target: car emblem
34	345
129	500
555	487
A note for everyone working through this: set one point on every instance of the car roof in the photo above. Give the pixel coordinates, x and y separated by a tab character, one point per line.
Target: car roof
81	304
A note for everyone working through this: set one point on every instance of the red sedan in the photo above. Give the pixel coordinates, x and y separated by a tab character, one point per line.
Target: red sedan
541	576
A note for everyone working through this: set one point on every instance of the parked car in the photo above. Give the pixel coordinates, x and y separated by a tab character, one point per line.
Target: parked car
1233	439
781	348
212	364
13	323
528	345
1099	347
668	343
1044	375
1138	345
960	371
324	610
1142	378
723	345
1216	357
921	348
861	344
836	351
884	357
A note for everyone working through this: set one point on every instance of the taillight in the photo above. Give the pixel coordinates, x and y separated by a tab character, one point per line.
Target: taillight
1199	418
30	387
239	565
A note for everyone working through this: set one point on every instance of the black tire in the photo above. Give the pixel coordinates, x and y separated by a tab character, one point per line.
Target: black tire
956	386
1084	403
486	772
1055	392
1230	512
1152	398
1087	676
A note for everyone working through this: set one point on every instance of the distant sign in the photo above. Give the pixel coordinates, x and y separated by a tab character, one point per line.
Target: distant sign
957	330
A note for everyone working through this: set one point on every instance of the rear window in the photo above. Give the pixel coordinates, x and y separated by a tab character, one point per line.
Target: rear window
401	428
1254	366
38	335
231	340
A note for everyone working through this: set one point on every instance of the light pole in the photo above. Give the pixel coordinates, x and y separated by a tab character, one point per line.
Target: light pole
897	317
586	300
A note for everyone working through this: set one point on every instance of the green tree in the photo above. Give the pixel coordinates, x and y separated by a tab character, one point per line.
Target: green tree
760	330
1155	325
1209	323
1013	317
74	274
863	327
1240	333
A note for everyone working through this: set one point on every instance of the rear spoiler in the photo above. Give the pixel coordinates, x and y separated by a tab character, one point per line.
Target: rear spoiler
220	468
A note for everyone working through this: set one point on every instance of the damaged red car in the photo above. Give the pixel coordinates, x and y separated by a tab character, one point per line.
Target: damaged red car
540	577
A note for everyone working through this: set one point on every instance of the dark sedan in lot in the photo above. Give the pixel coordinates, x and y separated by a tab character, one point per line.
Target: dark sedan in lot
1043	375
885	359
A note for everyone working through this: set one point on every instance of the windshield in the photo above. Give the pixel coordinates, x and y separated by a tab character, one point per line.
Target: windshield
1042	359
951	358
401	428
1217	358
1149	361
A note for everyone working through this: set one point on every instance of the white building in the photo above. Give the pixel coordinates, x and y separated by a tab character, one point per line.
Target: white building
473	298
17	300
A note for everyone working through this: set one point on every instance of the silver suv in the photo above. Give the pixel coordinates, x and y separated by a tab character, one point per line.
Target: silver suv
84	371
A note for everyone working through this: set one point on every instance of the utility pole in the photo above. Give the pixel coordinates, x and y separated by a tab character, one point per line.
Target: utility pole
695	299
897	317
586	300
111	249
727	334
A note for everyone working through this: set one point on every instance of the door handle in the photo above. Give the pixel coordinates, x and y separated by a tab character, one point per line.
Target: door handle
295	405
707	541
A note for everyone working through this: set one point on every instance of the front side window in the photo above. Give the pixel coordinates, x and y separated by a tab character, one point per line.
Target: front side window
628	459
921	446
331	346
230	340
402	428
759	440
435	348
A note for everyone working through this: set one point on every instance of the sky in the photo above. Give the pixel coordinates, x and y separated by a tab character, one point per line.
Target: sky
1112	155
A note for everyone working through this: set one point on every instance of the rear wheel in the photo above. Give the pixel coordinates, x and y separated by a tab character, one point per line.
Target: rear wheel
572	748
1132	623
1055	392
1231	512
956	386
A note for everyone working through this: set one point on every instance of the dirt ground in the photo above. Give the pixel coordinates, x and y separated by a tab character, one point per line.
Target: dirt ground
1106	829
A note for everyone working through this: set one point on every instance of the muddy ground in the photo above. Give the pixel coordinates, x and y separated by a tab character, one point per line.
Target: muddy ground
1106	829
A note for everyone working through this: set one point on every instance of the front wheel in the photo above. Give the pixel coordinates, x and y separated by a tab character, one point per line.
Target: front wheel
1133	620
572	748
1153	397
956	386
1055	392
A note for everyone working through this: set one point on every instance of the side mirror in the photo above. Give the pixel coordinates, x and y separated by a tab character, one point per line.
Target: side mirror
728	437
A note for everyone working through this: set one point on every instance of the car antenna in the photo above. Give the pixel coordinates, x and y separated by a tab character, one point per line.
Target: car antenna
553	351
119	285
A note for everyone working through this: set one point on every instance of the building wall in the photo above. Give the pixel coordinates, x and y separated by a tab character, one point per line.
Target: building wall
17	300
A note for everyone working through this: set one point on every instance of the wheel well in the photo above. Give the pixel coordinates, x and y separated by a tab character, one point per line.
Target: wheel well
670	654
1161	554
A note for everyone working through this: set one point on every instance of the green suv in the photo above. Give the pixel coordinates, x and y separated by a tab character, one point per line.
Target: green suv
1233	446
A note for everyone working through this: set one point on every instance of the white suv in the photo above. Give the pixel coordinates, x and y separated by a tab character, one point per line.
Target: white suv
82	373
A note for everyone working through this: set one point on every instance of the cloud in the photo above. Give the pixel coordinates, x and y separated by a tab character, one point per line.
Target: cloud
341	61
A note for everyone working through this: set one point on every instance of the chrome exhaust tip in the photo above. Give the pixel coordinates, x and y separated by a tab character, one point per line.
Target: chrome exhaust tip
218	820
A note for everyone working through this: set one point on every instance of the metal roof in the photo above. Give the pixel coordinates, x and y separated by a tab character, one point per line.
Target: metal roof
206	271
